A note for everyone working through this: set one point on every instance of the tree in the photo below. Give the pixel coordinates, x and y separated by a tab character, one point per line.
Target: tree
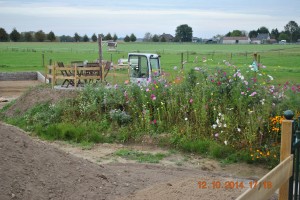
262	30
252	34
66	38
15	35
51	36
40	36
115	37
85	38
292	29
4	37
275	34
236	33
155	38
94	38
132	37
77	37
108	37
28	37
163	39
283	36
228	34
147	37
127	38
184	33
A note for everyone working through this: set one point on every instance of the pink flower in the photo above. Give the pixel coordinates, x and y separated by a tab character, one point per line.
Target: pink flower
147	90
242	93
154	121
153	97
253	94
191	100
217	135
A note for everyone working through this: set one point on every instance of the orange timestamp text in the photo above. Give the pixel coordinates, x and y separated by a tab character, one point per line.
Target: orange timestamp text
233	184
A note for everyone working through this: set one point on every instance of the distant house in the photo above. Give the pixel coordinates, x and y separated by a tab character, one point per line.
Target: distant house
195	39
262	38
168	37
236	40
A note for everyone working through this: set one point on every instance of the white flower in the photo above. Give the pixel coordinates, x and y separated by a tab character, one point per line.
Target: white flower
271	78
225	125
238	129
214	126
225	142
186	119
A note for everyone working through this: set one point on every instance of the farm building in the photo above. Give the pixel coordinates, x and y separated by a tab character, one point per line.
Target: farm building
168	37
262	38
236	40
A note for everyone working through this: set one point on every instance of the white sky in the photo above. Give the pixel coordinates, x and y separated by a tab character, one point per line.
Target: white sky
123	17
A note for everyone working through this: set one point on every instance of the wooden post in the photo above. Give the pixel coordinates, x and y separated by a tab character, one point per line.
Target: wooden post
75	73
53	75
181	60
100	48
285	149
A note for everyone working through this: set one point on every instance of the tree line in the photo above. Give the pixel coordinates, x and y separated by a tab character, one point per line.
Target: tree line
183	33
41	36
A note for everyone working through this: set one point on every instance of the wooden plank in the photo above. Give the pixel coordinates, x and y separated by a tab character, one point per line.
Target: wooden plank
285	151
268	184
89	77
88	68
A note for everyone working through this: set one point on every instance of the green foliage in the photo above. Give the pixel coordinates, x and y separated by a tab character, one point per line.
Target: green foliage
40	36
51	36
108	37
184	33
77	37
155	38
94	38
85	38
115	37
127	38
15	35
4	37
132	37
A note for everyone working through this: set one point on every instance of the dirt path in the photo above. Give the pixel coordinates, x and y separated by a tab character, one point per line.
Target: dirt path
34	169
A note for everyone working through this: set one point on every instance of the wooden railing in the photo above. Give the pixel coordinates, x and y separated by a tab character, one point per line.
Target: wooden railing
78	75
280	176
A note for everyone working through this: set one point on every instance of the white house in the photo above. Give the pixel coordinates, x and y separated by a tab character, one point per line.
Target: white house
236	40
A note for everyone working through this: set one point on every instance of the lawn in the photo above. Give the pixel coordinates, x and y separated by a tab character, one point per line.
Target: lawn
282	61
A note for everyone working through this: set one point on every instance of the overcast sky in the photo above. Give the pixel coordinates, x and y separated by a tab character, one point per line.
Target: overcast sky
123	17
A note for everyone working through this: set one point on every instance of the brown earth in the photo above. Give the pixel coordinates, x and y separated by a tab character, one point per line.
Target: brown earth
35	169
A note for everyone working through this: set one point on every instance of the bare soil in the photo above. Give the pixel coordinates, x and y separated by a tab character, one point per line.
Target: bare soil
35	169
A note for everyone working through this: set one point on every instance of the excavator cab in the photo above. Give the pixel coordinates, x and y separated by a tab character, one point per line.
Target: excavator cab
143	67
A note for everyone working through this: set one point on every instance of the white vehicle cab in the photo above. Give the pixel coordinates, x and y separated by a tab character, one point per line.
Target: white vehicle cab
143	67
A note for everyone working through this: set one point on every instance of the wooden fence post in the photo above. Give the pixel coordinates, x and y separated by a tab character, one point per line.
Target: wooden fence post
285	149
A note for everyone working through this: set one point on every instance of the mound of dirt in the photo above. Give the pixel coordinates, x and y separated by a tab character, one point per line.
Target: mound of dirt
38	94
34	170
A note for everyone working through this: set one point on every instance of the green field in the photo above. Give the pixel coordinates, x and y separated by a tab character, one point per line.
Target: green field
282	61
